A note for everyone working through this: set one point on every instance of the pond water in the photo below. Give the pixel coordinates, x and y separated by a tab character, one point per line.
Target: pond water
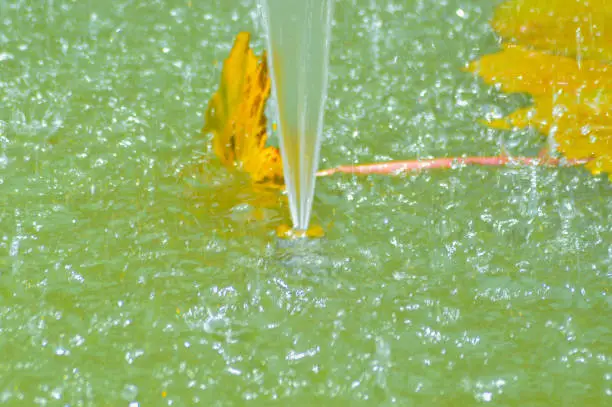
121	285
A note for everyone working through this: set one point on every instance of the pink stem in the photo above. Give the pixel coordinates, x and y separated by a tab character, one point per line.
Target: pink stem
395	167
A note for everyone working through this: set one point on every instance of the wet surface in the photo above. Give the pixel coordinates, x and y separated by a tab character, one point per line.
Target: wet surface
119	284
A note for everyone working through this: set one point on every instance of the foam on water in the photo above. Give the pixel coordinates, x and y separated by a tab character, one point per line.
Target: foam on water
298	42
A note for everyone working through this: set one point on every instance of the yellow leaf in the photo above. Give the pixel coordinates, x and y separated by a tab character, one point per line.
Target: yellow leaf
235	116
576	28
585	129
572	97
518	69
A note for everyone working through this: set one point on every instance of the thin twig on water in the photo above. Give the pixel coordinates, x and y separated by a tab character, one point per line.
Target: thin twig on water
397	167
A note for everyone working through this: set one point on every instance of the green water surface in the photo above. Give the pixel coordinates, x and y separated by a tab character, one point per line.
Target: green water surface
122	286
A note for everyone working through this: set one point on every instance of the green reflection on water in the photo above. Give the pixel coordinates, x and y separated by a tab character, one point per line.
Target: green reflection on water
118	285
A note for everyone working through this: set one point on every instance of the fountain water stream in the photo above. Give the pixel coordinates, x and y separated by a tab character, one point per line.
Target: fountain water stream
299	34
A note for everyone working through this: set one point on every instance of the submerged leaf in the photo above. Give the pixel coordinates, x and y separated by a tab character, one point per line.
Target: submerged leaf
218	196
235	116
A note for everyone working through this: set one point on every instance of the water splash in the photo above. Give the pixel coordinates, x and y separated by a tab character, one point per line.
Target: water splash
299	34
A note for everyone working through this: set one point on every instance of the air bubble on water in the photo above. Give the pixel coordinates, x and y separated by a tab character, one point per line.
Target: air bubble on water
4	161
56	393
129	393
486	396
234	371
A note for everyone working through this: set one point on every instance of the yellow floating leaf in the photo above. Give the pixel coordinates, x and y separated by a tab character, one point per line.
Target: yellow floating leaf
585	129
235	116
576	28
519	118
517	69
572	95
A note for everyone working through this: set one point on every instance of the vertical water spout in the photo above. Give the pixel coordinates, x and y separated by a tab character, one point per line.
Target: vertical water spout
299	34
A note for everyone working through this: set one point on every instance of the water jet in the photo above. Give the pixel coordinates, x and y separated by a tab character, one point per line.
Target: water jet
298	35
